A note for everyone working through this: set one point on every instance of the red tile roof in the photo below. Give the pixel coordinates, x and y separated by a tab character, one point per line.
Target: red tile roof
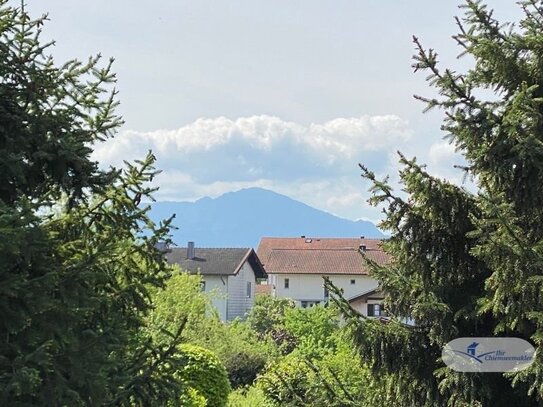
263	289
319	255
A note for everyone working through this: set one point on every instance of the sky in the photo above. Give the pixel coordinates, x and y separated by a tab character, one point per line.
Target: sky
287	95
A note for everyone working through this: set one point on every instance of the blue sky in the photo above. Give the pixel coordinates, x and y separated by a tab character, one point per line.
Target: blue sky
286	95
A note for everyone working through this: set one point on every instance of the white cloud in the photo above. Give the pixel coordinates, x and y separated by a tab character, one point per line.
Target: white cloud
315	163
442	152
248	139
443	162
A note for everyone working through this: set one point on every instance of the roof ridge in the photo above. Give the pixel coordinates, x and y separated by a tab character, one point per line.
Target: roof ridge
214	248
322	249
327	238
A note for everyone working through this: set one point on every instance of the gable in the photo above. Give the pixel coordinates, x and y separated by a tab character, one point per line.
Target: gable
215	261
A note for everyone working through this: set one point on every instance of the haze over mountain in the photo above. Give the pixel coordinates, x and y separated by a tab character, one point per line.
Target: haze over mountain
241	218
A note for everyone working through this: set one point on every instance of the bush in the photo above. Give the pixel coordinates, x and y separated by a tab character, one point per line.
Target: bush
323	369
240	349
243	367
249	397
234	343
333	380
313	330
289	382
204	375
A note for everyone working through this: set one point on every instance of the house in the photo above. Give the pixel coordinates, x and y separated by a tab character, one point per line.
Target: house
296	267
368	303
232	273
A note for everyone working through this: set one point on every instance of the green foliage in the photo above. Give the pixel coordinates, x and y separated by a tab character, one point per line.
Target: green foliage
335	379
468	264
190	398
314	329
51	115
268	313
249	397
324	368
239	348
204	375
74	277
243	366
267	318
180	300
289	382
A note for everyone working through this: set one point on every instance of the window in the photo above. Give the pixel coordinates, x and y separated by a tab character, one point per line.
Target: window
326	293
203	285
309	304
371	310
287	283
376	310
248	289
353	282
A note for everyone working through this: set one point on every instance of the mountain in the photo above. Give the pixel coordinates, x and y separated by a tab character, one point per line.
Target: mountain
241	218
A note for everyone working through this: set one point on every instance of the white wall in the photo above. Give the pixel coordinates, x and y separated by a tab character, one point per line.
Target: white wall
361	305
230	292
238	301
309	287
219	299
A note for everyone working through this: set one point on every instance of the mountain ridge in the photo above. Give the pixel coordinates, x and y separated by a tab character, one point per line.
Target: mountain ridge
235	219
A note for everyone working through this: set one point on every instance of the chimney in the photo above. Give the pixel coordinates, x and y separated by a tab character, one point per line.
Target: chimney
190	250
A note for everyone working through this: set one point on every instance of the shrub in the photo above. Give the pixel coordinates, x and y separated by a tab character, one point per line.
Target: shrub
311	331
234	343
333	380
249	397
203	374
288	382
243	367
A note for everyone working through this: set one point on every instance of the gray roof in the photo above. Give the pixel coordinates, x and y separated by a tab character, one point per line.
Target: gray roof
216	261
376	291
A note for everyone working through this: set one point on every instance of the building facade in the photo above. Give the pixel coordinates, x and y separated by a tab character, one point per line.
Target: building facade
296	268
230	274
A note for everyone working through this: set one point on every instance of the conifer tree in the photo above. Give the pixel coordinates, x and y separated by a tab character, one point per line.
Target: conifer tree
468	264
75	264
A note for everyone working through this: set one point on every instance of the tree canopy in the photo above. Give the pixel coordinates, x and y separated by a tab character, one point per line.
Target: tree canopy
468	263
76	264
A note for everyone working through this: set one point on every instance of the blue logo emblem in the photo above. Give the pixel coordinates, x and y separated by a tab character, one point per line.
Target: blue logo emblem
471	348
488	354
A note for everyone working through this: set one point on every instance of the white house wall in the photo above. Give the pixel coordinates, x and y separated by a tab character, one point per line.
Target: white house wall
218	284
309	287
238	301
361	305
